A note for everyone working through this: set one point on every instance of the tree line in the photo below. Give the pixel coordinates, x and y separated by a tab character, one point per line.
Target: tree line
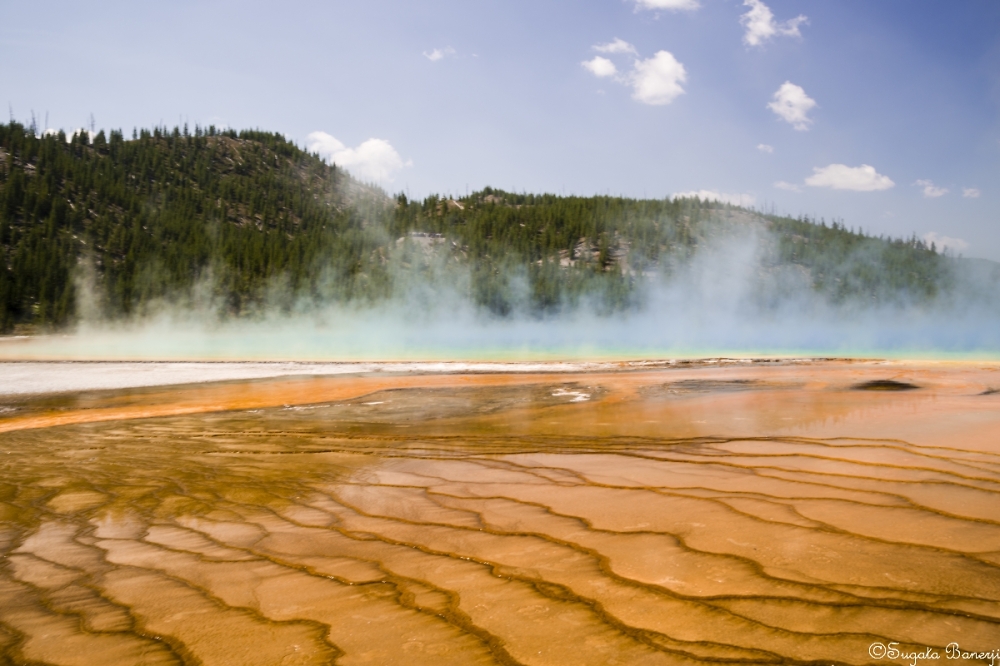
147	219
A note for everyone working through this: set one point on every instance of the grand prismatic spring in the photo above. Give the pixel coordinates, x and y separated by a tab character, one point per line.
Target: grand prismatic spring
662	513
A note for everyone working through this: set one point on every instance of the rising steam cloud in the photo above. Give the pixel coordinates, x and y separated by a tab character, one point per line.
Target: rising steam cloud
730	298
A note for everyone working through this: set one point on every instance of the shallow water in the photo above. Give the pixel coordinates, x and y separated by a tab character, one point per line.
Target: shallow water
760	515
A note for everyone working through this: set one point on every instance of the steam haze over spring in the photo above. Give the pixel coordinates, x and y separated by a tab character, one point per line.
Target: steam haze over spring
742	284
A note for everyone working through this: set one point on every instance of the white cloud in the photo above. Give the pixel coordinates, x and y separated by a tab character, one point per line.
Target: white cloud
764	148
616	46
439	54
672	5
970	193
931	191
600	67
791	187
374	160
657	80
761	26
792	105
713	195
842	177
946	242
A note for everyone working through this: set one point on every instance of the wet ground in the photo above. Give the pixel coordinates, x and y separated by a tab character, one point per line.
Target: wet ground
791	513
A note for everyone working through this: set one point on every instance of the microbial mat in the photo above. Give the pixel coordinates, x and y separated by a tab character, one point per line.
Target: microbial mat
778	512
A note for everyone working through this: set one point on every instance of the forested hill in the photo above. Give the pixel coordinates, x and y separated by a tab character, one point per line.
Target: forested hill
248	214
150	216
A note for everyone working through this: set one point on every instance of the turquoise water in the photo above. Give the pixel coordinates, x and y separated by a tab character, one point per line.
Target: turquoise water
284	345
442	334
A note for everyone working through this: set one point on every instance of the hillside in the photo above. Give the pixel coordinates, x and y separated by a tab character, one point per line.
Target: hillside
564	244
248	215
151	216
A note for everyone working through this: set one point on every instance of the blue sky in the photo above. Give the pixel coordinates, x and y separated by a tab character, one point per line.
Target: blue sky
884	114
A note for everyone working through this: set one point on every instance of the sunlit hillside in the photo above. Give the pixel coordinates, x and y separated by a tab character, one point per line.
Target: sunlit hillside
104	227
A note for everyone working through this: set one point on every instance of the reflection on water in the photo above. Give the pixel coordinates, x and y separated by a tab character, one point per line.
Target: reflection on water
773	516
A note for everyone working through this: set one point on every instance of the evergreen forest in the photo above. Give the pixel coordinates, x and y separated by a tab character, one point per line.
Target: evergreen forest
151	218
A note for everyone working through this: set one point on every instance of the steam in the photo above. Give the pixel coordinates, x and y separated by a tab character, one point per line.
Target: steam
731	298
